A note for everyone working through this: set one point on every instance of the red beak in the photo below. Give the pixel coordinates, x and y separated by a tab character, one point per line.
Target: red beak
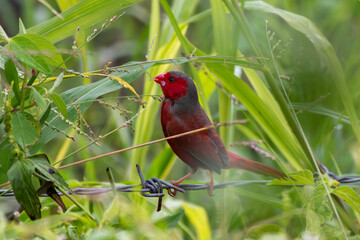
160	79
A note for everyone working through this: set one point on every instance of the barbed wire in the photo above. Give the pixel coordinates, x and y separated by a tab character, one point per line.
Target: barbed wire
154	187
340	179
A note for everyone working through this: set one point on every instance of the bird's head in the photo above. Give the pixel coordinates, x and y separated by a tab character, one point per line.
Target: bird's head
176	85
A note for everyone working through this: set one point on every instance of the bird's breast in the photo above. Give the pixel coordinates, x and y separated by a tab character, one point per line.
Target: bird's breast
174	121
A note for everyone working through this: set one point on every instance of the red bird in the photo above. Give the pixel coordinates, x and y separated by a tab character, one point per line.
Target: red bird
181	112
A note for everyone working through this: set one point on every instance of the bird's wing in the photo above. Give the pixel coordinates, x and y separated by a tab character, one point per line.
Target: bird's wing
206	161
219	146
204	149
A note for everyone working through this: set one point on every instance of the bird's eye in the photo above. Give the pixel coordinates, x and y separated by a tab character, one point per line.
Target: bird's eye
171	79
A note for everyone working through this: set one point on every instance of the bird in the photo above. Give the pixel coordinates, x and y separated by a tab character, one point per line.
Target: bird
181	112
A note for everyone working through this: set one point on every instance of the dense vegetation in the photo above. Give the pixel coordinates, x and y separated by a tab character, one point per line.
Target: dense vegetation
76	83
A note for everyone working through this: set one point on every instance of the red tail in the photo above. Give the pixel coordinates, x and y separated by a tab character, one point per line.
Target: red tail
257	167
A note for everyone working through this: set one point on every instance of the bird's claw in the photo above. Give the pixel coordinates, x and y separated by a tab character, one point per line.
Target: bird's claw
210	188
172	191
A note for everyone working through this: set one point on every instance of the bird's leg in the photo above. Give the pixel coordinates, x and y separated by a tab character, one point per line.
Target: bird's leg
172	192
211	184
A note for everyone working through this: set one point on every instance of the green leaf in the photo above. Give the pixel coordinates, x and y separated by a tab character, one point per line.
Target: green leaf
349	196
27	52
171	220
42	164
26	129
57	82
22	29
6	158
312	221
319	196
45	114
318	210
20	175
50	52
12	76
59	102
199	220
3	36
5	155
304	177
36	97
84	14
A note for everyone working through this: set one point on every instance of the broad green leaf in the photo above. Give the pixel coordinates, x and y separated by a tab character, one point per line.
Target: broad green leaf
50	52
319	197
59	102
318	209
313	224
84	14
12	76
42	164
25	128
199	220
3	175
20	178
324	212
6	158
27	52
303	177
349	196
